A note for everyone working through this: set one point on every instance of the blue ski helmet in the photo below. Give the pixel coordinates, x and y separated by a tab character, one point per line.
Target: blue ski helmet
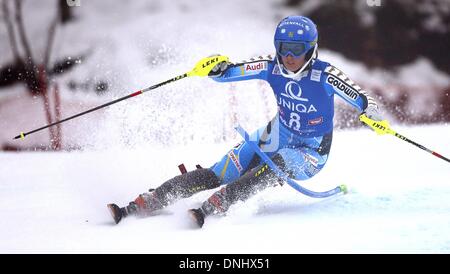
295	35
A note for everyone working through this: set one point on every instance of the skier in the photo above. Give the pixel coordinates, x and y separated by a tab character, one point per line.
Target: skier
304	87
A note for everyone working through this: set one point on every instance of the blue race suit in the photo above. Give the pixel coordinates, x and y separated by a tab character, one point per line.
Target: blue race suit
302	129
298	139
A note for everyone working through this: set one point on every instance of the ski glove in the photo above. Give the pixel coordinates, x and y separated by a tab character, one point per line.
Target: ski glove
218	69
373	113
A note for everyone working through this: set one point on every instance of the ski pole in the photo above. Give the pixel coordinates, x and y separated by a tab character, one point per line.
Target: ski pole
202	68
284	176
382	127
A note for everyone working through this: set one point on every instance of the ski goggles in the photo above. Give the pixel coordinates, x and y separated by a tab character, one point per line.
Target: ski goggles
294	49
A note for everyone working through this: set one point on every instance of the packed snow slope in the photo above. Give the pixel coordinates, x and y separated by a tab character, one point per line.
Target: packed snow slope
399	201
399	198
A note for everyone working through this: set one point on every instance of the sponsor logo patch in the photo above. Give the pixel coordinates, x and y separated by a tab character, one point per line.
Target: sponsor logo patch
238	145
254	68
235	161
340	86
315	75
292	23
276	70
261	170
315	122
313	160
293	90
311	170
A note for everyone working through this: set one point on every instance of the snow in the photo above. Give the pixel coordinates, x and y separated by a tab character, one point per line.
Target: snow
56	202
398	201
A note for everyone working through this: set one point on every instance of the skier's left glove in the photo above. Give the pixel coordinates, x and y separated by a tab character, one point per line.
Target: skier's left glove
218	69
373	113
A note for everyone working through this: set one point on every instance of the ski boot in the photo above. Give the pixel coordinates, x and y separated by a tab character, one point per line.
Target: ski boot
116	212
143	205
197	216
121	212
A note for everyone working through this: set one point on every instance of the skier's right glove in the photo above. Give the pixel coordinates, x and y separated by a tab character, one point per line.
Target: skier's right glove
373	113
218	69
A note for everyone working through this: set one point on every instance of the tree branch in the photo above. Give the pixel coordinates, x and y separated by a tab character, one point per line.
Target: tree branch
50	39
22	33
10	29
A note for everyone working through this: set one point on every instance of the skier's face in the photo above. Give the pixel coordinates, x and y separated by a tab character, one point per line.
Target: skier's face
293	63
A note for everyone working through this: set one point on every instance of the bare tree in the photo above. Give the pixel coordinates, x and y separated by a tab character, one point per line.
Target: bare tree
10	29
21	30
36	72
